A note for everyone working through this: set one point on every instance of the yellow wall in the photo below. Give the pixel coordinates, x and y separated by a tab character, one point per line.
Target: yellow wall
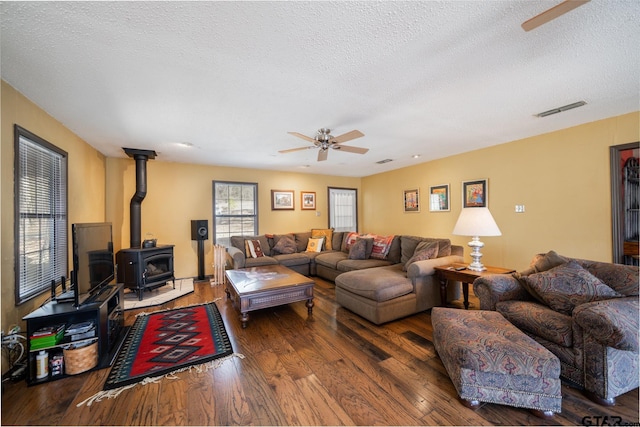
86	180
562	178
178	193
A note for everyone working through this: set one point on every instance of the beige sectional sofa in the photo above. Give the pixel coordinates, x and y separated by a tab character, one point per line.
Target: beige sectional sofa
381	289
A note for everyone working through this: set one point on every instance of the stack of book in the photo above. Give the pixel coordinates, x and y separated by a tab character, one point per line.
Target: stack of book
80	331
47	336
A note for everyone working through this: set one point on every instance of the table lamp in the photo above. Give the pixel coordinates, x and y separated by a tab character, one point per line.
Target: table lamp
476	222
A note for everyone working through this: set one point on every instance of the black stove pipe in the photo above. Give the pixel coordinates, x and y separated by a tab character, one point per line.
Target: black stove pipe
135	211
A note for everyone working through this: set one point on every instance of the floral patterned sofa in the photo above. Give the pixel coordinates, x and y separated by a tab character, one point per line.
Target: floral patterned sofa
584	312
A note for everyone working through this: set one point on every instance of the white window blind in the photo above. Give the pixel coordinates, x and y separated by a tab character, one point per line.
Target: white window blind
343	209
41	215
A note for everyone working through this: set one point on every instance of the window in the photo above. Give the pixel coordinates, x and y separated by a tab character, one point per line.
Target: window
40	214
235	207
343	209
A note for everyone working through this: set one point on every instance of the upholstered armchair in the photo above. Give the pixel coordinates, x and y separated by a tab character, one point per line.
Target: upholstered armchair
584	312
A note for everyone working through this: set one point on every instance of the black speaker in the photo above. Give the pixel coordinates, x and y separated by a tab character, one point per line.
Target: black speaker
199	229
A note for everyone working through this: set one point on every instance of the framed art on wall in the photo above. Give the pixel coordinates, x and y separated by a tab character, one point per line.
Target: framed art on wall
308	200
412	200
439	198
475	194
281	200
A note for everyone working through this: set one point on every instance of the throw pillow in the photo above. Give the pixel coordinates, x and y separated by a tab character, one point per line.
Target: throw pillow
567	286
327	233
315	244
548	261
381	245
285	245
424	250
253	249
361	249
349	240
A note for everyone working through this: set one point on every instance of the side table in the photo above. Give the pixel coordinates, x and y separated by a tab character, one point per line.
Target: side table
466	276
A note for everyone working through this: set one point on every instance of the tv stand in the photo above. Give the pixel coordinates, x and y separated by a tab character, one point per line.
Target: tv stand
105	310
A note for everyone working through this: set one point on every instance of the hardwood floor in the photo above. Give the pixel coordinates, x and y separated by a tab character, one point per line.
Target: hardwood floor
333	368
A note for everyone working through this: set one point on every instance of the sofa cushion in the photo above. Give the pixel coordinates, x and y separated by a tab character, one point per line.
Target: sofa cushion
257	262
361	249
361	264
394	252
284	244
315	244
292	259
424	250
381	245
238	242
621	278
253	249
327	233
302	240
538	320
568	285
381	284
330	259
338	237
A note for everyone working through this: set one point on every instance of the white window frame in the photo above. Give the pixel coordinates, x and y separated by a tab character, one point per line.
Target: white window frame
343	208
40	224
241	217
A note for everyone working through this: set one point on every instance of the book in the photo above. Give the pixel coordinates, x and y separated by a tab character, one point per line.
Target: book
83	335
48	331
79	328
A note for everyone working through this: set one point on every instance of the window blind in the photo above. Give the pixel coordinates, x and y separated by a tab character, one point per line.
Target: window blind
41	205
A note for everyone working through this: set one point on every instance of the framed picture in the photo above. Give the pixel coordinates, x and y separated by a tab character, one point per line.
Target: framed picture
475	194
439	198
308	200
281	200
412	200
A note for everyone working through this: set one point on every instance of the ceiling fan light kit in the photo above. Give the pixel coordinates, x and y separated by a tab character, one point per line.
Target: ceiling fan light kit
324	140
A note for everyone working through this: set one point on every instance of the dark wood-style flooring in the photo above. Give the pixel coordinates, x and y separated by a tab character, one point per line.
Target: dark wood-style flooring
333	368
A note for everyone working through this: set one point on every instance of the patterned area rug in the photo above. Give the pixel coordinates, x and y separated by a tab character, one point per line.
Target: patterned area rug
159	295
163	343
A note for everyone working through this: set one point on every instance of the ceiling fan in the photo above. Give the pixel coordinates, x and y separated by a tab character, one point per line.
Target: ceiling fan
324	140
553	13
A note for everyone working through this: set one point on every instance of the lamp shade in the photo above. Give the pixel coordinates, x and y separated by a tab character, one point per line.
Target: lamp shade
476	222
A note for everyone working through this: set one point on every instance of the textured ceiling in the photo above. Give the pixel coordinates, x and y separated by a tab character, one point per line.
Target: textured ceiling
433	78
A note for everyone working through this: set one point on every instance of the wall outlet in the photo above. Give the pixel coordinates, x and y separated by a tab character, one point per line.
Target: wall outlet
317	213
519	208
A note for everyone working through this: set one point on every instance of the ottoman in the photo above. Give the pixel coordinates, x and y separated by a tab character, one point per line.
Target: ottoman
490	360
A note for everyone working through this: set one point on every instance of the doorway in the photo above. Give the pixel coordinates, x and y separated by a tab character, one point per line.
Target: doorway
625	202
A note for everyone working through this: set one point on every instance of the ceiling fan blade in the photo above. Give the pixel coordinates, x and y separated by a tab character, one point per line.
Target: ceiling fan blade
290	150
322	155
552	13
351	149
346	137
305	137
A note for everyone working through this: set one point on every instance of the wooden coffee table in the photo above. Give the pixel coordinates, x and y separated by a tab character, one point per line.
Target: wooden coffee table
255	288
459	273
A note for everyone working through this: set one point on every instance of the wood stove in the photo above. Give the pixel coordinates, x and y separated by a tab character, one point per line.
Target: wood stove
139	267
143	269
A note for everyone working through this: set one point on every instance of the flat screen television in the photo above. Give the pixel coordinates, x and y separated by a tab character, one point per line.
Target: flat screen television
93	259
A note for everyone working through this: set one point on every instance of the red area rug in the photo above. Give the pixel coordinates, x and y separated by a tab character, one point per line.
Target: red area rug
167	342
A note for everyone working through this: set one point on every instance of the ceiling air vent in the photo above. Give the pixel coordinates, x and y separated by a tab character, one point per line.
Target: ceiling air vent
561	109
381	162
